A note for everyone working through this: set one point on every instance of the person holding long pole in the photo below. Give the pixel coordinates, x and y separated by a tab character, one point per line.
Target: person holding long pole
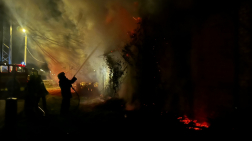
65	86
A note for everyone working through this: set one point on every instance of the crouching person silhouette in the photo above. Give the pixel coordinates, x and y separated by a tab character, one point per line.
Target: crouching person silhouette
65	86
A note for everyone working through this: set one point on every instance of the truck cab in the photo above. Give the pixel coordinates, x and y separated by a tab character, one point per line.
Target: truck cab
6	75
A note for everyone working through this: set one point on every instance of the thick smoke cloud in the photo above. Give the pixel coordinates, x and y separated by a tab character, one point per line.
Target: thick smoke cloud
65	32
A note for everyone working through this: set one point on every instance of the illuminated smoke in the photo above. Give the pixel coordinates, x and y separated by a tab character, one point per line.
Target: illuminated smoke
67	31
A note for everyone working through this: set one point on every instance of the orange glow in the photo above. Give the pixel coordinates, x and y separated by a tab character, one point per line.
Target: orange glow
186	120
138	19
109	19
197	129
204	124
129	107
136	4
198	125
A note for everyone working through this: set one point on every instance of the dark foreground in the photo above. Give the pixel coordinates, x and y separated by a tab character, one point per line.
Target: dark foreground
110	121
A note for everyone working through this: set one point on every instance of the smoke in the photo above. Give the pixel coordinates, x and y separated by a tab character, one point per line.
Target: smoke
65	32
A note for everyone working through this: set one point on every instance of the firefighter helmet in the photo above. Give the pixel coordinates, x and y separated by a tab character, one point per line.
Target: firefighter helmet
61	75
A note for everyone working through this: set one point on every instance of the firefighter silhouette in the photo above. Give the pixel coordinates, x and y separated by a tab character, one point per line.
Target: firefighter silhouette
41	94
65	86
35	90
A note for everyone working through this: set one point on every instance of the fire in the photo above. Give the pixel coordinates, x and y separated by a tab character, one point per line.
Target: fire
138	19
198	126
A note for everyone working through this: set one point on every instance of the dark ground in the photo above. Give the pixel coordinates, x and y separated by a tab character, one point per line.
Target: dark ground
110	120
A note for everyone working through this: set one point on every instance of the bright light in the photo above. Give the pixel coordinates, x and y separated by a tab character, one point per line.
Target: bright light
41	70
23	63
94	70
24	30
19	67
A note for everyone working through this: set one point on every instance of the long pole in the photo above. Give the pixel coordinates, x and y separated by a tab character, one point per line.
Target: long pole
10	47
87	59
25	49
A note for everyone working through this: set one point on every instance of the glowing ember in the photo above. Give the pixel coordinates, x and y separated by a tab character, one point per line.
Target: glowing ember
204	124
198	126
138	19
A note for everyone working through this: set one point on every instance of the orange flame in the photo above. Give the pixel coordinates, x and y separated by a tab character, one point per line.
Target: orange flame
138	19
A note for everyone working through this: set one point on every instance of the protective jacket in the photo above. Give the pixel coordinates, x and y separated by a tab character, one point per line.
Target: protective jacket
65	85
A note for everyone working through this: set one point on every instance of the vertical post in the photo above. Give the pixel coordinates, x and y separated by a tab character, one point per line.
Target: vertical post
25	49
10	47
11	116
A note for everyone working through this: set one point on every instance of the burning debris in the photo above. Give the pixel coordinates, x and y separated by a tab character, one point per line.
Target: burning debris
193	123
